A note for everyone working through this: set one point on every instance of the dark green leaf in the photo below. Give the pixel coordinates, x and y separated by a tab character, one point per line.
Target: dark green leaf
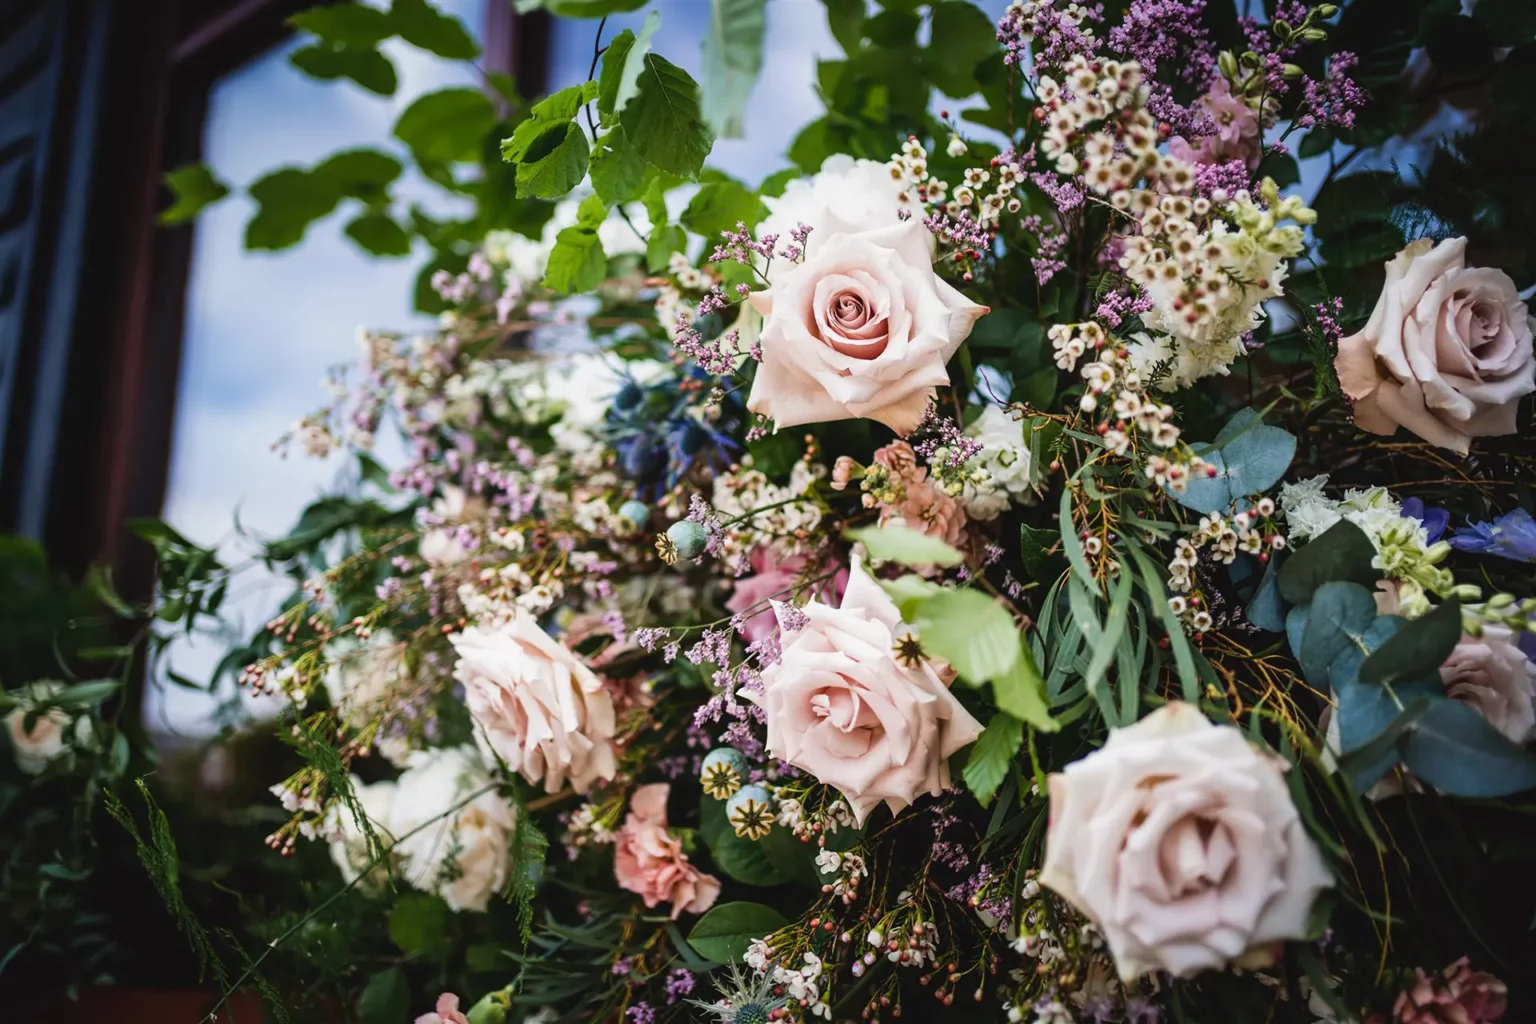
347	24
554	163
1455	749
664	121
386	999
618	173
846	20
733	58
720	206
724	933
421	925
590	8
1457	44
1415	652
424	26
1342	552
194	187
364	174
961	36
288	201
993	755
379	235
1507	20
447	125
367	67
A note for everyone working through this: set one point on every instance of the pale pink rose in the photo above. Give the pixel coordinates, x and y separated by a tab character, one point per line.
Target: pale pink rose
1178	839
1237	136
843	708
535	705
773	578
1493	676
447	1012
862	328
648	859
1446	353
923	507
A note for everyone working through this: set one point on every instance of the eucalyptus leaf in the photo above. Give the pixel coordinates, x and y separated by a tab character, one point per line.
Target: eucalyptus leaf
1455	749
1413	653
1337	618
1342	552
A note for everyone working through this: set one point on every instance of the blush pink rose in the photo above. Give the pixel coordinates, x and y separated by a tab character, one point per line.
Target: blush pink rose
1237	135
447	1012
843	708
1446	353
1179	840
861	328
773	578
536	706
648	859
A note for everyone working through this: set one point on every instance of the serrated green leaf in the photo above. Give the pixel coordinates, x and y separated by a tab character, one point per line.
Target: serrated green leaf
720	206
724	933
554	163
367	67
992	756
194	188
346	24
378	234
618	173
904	545
664	121
733	59
425	27
447	125
971	631
577	262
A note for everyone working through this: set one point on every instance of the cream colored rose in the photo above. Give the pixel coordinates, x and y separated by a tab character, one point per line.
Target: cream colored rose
1446	353
466	856
349	843
1179	840
843	708
39	746
1493	676
861	328
535	705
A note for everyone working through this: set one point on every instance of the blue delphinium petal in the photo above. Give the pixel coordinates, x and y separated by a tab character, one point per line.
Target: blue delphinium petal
1512	536
1434	520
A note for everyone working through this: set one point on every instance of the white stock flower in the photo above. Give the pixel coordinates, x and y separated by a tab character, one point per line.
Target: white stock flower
349	843
464	857
1004	456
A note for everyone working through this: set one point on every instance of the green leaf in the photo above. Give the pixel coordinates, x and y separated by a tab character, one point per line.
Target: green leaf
378	234
720	206
904	545
1021	692
425	27
577	262
971	631
1455	749
590	8
1266	610
554	163
347	24
1035	543
992	756
386	999
733	59
665	240
1338	617
908	592
79	696
961	36
1342	552
1416	652
288	200
663	119
618	173
846	20
447	125
364	174
725	932
622	65
194	187
367	67
1249	456
421	925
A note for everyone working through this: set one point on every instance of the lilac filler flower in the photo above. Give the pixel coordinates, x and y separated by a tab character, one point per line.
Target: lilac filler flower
1512	535
1434	520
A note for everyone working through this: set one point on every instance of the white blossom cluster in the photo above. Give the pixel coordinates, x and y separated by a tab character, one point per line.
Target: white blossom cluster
1000	474
1251	532
789	525
848	869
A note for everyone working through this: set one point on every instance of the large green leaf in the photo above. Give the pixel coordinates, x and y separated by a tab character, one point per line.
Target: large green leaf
618	173
622	64
992	756
725	932
447	125
364	174
577	262
1021	692
379	235
971	631
733	58
720	206
367	67
194	187
1455	749
1342	552
1416	652
664	121
287	201
347	24
904	545
554	162
423	25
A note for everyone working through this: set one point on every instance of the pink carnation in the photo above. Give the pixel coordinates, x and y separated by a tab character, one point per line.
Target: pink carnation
648	859
1457	995
773	579
923	507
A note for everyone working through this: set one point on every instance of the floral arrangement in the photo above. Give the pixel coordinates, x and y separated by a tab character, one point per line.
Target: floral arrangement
1026	560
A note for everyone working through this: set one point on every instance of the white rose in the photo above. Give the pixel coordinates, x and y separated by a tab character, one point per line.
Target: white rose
1179	841
862	328
465	857
861	192
349	844
36	748
536	705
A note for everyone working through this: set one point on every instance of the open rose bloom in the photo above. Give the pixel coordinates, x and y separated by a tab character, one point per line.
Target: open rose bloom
1446	353
843	708
1179	841
862	328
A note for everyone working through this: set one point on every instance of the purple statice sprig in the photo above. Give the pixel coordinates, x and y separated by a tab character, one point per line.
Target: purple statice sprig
944	440
1332	102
